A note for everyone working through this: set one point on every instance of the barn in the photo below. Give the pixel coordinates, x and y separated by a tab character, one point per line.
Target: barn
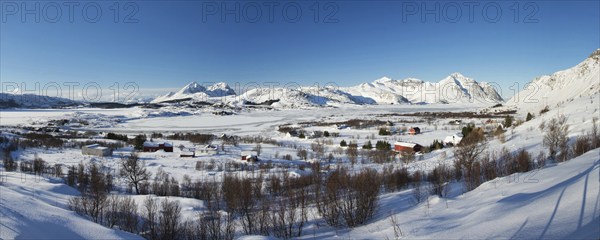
96	150
414	131
406	147
150	146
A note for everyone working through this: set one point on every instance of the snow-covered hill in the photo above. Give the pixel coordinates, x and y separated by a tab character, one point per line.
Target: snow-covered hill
197	92
9	100
582	80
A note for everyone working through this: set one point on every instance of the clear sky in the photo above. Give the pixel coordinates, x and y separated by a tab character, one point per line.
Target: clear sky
166	44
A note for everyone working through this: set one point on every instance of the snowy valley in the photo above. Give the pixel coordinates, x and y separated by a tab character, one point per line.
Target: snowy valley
389	159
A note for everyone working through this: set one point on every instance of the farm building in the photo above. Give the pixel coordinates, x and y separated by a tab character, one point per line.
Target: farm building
414	131
207	150
249	156
454	139
406	147
190	154
150	146
96	150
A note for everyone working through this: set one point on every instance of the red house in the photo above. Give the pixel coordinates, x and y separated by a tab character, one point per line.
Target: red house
150	146
405	147
414	131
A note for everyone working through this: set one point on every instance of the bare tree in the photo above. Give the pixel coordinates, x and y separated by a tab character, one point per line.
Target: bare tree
258	149
302	153
150	215
133	169
555	135
467	155
439	178
169	219
352	153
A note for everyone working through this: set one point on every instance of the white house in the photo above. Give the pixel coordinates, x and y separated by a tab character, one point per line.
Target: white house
96	150
207	150
187	153
454	139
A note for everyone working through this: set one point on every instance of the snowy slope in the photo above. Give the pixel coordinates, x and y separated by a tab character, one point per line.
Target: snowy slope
559	202
197	92
33	208
582	80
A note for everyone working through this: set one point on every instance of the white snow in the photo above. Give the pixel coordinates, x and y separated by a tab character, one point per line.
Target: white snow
36	208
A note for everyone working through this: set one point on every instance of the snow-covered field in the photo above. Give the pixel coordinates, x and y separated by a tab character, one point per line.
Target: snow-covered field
561	201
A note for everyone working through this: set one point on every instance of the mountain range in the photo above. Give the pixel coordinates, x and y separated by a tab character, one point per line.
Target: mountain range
455	88
582	80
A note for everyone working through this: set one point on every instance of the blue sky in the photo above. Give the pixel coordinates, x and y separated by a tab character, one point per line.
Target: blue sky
172	43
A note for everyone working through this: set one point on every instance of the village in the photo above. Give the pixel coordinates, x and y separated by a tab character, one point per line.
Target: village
295	146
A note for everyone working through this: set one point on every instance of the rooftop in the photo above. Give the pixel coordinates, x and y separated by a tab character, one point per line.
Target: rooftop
95	146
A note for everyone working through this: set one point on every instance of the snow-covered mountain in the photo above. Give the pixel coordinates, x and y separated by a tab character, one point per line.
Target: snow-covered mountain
455	88
296	97
197	92
582	80
9	100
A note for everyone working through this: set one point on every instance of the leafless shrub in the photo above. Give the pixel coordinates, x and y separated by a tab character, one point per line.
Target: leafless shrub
168	220
349	200
150	215
524	161
555	135
302	153
394	222
439	178
582	145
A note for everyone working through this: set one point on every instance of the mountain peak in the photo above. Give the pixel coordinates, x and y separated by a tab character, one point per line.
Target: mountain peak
459	79
220	89
219	85
457	75
384	79
191	88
